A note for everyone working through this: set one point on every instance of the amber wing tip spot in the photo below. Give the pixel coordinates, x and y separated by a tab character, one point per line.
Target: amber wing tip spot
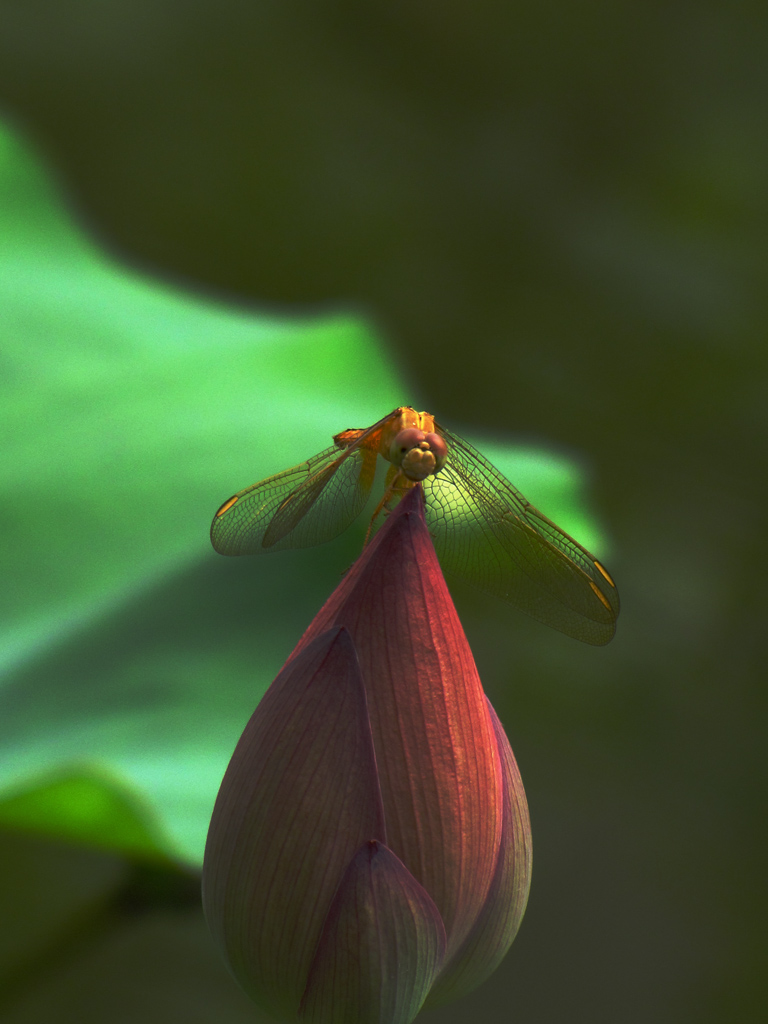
226	506
604	572
601	597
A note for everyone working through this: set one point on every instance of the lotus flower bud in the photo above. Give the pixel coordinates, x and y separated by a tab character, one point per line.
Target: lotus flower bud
369	850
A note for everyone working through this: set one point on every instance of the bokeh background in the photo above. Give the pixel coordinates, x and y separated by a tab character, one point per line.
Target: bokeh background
231	229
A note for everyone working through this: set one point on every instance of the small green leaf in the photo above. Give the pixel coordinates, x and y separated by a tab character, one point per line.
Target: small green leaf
86	806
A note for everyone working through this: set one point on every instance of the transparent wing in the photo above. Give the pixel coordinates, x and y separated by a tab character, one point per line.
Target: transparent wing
486	532
300	507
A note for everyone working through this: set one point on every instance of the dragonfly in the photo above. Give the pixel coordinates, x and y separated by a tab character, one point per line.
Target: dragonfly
483	529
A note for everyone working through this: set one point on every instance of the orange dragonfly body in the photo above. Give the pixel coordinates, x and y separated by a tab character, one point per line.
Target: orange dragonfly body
483	529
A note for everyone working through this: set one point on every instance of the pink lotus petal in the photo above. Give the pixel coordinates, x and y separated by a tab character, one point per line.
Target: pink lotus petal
299	797
380	949
498	923
436	750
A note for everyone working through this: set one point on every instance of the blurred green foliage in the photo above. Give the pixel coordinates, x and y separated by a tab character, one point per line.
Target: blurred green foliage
131	411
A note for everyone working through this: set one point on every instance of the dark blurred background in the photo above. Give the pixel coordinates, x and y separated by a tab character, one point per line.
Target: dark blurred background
556	215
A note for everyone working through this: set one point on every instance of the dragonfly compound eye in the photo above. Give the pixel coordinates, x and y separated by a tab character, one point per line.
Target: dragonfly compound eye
439	449
417	454
403	443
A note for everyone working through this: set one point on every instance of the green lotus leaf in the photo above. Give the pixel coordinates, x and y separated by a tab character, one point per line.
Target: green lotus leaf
131	655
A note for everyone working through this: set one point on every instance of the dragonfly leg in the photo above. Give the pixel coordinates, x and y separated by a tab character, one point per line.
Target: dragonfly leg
398	483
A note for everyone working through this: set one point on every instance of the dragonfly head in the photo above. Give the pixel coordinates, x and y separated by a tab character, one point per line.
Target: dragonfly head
417	454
